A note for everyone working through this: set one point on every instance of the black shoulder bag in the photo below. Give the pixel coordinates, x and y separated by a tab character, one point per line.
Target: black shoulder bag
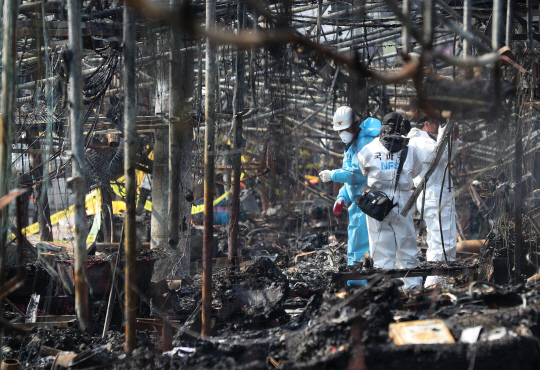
375	203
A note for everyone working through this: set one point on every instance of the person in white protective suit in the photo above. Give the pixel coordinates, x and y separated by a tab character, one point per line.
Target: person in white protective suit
355	136
392	241
441	230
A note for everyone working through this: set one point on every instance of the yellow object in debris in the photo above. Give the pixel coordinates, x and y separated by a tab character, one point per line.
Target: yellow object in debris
420	332
92	199
120	206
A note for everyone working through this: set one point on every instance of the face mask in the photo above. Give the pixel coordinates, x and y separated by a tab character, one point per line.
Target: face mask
346	137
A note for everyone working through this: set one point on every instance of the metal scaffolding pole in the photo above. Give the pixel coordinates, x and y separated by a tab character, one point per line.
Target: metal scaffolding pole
405	37
210	118
9	52
496	25
509	22
77	180
130	142
467	28
238	107
175	111
530	34
518	200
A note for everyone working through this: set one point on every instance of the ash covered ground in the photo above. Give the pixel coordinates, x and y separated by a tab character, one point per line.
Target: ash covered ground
290	311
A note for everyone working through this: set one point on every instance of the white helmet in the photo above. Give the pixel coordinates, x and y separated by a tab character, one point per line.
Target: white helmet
343	118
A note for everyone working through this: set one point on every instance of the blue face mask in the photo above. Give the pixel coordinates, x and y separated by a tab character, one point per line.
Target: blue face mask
346	137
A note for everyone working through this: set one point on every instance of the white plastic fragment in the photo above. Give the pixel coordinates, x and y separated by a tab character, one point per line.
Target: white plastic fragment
470	335
176	351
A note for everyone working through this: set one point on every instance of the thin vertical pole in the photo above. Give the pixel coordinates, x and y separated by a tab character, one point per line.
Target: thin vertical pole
7	119
175	110
130	142
467	27
530	39
199	77
319	19
496	25
509	23
405	37
495	45
77	159
428	25
209	132
238	107
518	200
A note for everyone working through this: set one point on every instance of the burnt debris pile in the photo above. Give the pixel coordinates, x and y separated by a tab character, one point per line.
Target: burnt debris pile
294	311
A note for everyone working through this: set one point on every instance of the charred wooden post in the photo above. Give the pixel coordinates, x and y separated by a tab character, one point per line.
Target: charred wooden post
238	107
130	122
209	152
77	159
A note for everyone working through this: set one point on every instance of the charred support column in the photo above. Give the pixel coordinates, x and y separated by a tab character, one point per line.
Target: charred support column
130	142
160	190
77	159
7	121
209	152
238	107
180	89
175	110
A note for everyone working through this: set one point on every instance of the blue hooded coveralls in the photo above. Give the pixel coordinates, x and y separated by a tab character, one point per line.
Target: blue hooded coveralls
353	182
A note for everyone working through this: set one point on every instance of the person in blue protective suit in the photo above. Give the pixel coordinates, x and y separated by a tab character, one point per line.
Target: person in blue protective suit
355	137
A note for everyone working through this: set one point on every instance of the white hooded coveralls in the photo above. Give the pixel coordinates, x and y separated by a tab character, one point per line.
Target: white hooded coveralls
427	146
392	241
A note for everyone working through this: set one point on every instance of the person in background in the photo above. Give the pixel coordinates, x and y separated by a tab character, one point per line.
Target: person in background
392	240
354	136
425	139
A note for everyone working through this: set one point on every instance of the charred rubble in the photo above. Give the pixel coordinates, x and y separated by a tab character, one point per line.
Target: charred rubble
291	311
